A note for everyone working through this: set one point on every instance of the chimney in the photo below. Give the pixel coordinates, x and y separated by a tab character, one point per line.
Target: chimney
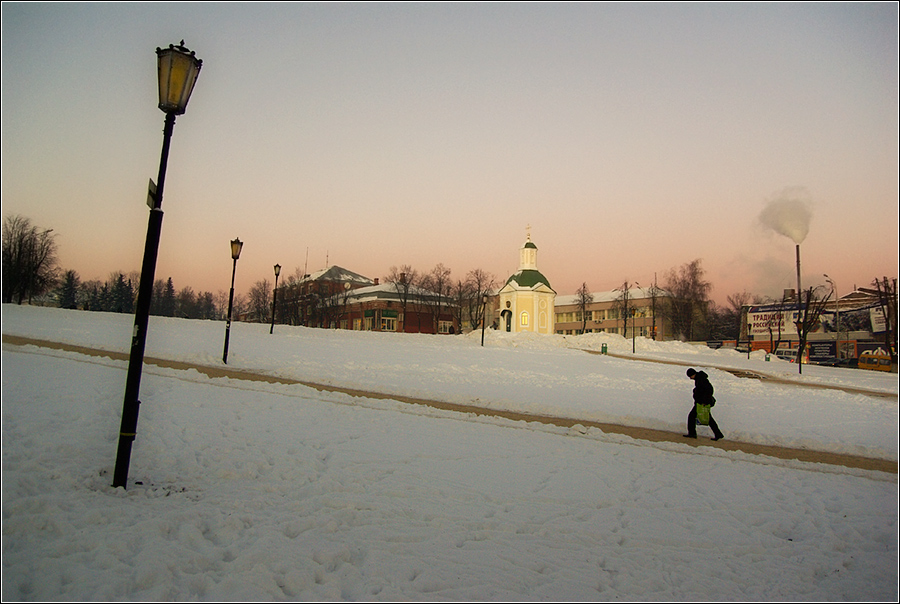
376	280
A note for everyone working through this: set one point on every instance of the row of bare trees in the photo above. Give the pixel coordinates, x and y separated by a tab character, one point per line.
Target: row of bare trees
30	270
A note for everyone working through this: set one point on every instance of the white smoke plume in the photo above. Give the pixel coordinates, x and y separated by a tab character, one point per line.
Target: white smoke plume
789	214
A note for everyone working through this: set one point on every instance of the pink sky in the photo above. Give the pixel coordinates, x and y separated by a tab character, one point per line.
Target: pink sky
631	138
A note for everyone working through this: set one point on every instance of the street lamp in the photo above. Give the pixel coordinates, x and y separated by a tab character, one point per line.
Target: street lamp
178	69
633	320
484	301
837	318
236	246
274	295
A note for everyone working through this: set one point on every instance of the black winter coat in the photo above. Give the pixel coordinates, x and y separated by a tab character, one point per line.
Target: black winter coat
703	390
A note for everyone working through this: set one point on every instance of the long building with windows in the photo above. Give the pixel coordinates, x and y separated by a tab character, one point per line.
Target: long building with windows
337	298
636	314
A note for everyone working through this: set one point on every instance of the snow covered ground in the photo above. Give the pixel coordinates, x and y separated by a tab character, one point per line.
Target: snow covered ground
255	491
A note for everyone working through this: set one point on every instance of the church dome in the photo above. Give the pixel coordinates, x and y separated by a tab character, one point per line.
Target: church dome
528	278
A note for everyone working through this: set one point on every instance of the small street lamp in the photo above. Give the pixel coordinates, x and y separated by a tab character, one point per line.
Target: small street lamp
484	301
274	295
236	246
837	318
633	330
633	320
178	69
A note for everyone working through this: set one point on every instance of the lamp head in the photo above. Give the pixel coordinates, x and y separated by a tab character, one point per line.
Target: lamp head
236	245
178	70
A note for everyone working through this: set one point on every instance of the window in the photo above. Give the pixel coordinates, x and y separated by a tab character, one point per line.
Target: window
388	324
445	326
523	319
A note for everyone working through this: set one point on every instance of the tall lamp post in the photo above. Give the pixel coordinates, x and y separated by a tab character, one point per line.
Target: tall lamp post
236	246
178	69
484	301
837	318
274	295
633	322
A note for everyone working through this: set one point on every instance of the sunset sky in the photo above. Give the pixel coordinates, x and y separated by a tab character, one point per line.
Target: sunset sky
632	138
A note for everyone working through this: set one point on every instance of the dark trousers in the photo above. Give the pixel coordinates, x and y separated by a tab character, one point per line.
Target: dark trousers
692	424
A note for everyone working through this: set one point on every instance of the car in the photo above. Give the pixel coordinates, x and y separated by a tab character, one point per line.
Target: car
836	362
875	360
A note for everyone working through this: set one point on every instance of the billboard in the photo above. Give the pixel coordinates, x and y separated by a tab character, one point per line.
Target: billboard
772	320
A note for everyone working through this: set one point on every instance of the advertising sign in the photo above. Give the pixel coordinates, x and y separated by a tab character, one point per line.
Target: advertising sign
772	320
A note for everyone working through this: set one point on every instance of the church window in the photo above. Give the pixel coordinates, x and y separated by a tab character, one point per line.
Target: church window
524	319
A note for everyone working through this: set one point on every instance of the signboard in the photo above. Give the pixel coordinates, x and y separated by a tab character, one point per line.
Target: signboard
820	350
771	321
876	315
151	195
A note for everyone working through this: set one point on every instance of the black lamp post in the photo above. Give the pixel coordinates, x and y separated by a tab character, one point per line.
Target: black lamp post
633	321
484	301
274	295
837	318
236	246
178	69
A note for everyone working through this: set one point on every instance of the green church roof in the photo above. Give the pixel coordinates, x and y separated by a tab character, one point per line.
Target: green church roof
528	278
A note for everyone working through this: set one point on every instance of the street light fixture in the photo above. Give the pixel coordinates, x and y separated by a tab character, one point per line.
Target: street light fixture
178	69
274	295
236	246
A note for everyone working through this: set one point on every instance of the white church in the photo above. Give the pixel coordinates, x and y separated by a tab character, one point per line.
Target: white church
527	301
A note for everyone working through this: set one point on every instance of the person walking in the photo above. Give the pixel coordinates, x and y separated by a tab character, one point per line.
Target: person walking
703	395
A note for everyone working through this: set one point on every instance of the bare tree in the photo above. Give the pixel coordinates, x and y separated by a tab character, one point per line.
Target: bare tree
584	298
622	305
29	260
887	298
808	318
480	284
688	298
403	279
725	321
438	284
260	301
462	298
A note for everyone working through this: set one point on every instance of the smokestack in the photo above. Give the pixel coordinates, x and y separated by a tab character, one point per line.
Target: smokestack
799	290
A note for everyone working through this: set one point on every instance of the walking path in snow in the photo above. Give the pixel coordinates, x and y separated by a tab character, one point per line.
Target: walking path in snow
742	373
648	434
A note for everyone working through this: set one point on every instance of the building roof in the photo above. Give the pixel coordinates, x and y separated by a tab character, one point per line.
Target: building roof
338	274
388	291
528	278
